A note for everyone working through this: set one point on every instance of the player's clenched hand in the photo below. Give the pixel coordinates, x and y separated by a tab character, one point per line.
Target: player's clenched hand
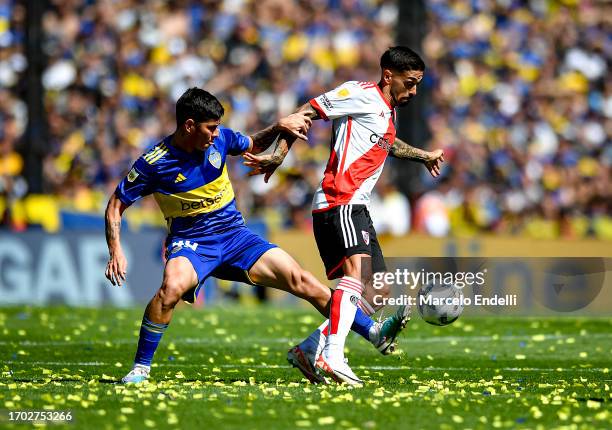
433	163
296	124
116	268
261	164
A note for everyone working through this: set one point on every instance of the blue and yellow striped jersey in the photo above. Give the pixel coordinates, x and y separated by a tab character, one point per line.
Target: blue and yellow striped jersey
193	190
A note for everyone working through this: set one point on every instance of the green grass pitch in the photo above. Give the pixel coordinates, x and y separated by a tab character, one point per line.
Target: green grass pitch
225	368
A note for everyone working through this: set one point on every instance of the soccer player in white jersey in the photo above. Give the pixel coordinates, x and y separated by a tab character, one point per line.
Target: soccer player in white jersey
363	117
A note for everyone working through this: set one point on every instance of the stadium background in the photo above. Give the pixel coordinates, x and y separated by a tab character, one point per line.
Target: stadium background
517	93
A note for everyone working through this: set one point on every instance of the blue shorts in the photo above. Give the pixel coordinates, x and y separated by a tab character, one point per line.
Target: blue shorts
226	255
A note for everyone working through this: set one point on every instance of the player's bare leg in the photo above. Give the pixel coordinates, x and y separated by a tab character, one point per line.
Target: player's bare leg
179	277
277	269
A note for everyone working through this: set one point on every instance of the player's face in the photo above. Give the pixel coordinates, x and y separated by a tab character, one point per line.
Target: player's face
403	85
205	133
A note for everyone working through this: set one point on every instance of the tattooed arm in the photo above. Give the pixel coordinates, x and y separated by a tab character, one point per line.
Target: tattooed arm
431	160
117	264
267	164
293	126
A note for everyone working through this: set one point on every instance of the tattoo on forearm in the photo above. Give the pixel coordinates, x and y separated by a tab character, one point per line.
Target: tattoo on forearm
113	229
264	138
283	145
285	140
401	149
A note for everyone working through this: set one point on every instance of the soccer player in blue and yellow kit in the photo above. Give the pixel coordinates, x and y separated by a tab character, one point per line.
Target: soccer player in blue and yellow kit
187	174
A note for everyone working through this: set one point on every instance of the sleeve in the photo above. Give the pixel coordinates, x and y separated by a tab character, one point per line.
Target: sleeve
236	143
349	98
137	183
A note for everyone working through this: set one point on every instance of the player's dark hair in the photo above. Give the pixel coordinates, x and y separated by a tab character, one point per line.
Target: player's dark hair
199	105
401	59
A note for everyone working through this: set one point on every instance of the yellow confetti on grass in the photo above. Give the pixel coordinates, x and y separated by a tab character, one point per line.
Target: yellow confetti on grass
592	404
325	421
536	412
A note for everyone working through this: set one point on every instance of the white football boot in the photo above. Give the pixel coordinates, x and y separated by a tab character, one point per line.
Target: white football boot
138	374
337	370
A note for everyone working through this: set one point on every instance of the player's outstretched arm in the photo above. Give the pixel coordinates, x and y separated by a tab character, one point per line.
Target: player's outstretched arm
267	164
431	160
117	264
295	125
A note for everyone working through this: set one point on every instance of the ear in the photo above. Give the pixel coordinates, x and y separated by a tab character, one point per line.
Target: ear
387	75
189	125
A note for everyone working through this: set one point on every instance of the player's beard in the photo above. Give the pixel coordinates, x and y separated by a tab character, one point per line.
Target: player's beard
403	102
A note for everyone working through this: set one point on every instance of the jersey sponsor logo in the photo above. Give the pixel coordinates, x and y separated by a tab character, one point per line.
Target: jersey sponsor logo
215	159
179	178
131	177
202	203
209	197
381	141
326	102
366	237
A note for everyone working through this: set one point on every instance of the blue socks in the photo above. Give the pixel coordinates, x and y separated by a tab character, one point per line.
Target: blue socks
362	324
150	335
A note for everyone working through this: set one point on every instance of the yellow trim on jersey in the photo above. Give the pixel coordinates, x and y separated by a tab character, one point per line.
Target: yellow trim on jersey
155	154
207	198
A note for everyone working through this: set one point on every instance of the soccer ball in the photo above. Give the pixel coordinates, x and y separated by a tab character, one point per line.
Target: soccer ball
440	304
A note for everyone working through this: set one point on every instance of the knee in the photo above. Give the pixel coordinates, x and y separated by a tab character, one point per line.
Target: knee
170	293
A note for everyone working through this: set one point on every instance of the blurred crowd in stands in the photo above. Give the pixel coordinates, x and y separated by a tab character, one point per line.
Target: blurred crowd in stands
520	99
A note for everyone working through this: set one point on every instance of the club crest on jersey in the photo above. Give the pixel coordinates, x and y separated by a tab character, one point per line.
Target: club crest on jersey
366	237
131	177
215	159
